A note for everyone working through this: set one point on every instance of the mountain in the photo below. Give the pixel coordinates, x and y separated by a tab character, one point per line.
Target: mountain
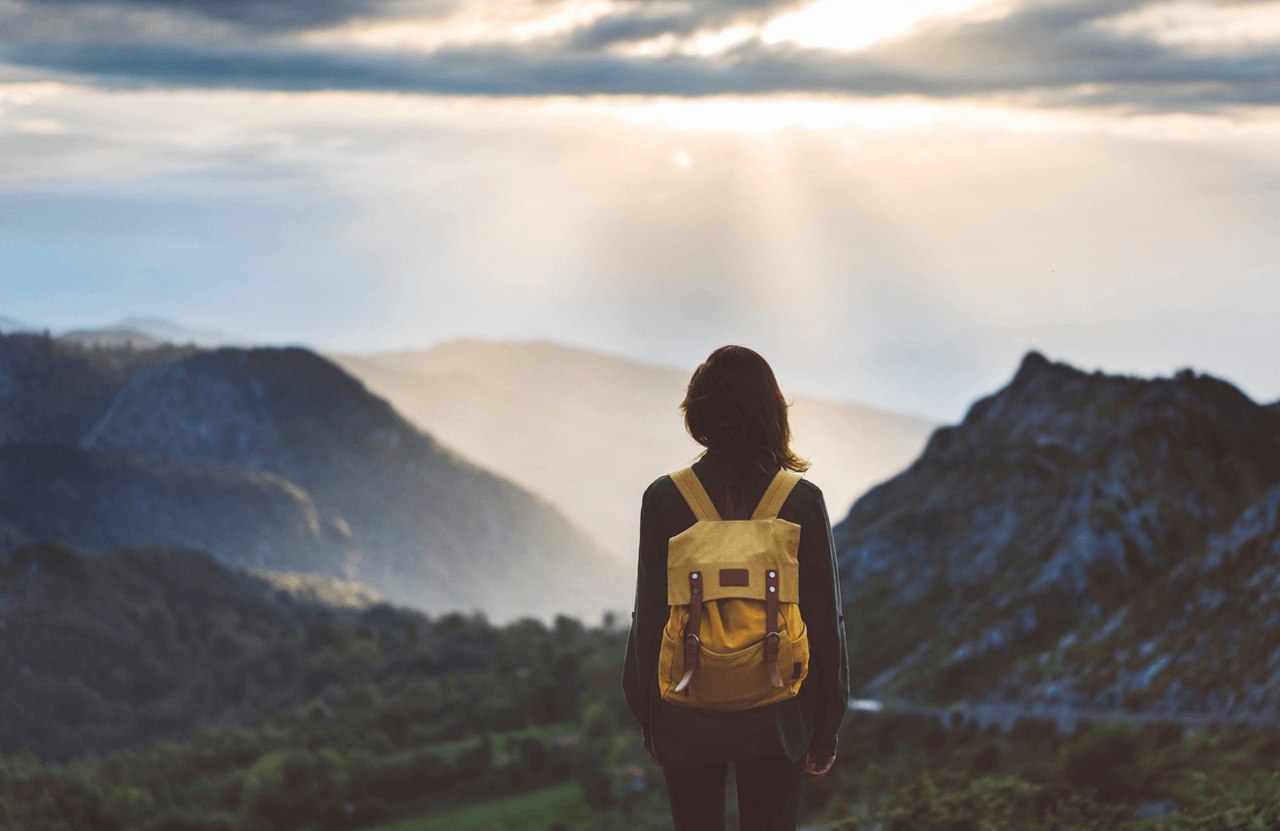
146	332
9	325
90	499
134	331
1200	638
111	336
590	431
276	458
1080	539
53	390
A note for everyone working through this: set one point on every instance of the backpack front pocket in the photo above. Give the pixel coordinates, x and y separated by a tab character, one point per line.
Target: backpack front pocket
729	680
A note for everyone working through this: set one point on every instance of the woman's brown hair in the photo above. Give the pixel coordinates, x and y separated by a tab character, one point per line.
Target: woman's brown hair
733	406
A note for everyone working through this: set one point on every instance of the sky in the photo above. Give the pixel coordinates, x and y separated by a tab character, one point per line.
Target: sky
891	202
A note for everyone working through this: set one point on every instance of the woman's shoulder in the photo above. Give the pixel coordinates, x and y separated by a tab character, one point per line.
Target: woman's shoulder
659	484
810	490
808	484
807	501
658	490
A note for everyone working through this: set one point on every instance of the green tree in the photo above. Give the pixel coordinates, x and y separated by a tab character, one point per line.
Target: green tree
595	742
285	788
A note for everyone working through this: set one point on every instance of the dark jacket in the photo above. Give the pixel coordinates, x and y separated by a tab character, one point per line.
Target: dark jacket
684	737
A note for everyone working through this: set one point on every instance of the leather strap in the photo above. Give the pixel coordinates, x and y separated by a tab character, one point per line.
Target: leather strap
692	645
772	636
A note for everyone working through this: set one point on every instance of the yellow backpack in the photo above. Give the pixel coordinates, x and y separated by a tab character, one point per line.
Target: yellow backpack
734	638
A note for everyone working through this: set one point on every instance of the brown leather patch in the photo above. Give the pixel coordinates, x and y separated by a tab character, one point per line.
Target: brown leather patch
733	576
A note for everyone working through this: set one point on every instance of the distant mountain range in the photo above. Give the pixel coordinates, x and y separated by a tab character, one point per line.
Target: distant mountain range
138	332
275	458
1080	539
146	332
8	325
590	431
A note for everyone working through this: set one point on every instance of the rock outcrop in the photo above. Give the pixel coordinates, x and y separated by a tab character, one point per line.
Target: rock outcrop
1053	547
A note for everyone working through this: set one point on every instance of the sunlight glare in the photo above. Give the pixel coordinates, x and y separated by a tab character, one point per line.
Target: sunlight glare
471	25
753	115
853	24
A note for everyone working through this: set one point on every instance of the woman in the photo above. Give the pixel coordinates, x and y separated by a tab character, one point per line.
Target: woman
734	408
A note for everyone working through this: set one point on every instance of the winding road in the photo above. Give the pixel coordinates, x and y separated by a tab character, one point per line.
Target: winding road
1065	717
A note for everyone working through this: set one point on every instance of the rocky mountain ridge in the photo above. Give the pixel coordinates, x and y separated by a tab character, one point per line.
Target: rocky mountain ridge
1076	539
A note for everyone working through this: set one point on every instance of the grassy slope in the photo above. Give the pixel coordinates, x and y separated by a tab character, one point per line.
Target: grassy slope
535	810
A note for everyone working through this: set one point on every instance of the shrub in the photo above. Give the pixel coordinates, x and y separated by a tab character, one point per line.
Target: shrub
998	803
180	821
1105	759
284	788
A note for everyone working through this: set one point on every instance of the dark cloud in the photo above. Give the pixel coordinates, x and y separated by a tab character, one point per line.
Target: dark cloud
636	21
1053	53
263	15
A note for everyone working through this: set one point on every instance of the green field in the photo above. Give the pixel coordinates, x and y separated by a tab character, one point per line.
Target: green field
532	811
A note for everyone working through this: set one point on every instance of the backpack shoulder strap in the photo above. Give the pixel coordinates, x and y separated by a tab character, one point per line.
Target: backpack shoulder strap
776	494
695	494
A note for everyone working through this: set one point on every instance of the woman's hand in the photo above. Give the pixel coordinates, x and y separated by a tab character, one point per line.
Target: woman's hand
814	768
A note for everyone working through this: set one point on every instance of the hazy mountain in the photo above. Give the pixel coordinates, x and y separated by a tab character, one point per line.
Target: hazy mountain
1081	539
277	458
590	431
145	332
99	500
111	336
9	325
134	331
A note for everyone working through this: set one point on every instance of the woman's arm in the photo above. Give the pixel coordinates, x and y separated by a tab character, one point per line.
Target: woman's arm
823	612
635	692
648	617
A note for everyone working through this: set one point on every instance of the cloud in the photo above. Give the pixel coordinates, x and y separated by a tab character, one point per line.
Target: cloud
636	21
922	257
247	15
1057	53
